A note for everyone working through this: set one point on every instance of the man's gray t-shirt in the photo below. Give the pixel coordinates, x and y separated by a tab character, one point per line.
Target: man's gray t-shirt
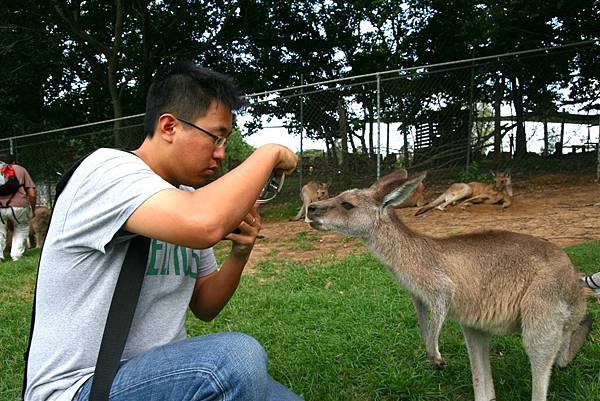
82	258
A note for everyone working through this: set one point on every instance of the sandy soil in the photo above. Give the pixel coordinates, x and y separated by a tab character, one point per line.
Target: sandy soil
562	209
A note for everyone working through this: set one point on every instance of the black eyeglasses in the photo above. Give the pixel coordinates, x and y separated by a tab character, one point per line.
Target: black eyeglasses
220	141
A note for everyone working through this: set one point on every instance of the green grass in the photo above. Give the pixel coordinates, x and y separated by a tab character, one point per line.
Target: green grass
339	331
303	241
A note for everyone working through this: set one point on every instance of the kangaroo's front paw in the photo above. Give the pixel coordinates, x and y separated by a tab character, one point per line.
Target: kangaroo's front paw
440	364
437	362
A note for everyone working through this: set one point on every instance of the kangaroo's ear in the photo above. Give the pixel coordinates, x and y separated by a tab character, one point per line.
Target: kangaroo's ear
402	193
388	182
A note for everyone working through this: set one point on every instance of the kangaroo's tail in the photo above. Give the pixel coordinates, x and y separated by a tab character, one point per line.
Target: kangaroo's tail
300	213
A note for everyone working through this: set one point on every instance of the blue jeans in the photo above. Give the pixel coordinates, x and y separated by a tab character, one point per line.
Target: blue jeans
223	366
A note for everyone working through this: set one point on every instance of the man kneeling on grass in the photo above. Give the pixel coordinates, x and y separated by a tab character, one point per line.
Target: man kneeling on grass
114	194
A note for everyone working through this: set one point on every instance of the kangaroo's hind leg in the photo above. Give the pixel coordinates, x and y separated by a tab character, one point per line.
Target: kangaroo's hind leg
543	322
301	212
439	310
474	199
478	345
455	193
421	309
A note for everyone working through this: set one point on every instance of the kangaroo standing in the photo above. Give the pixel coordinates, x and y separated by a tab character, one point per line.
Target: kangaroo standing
490	282
311	192
475	192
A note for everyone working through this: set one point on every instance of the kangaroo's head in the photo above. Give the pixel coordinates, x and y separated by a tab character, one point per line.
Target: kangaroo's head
356	211
323	191
503	181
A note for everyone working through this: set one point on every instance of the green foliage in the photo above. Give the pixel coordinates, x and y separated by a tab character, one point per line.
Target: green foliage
303	241
474	173
237	149
87	69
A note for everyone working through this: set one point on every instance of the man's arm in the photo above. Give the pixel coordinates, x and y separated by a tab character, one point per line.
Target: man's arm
32	196
212	292
201	218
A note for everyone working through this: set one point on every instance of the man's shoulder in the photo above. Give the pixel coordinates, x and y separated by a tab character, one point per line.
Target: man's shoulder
18	167
105	159
20	170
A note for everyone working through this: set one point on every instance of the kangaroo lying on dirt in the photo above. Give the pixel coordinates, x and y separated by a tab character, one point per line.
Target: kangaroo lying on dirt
475	192
490	282
311	192
417	198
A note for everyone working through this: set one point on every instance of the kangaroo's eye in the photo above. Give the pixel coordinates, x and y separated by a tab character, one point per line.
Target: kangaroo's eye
347	205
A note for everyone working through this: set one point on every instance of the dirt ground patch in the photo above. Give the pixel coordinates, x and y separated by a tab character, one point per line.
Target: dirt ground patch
563	209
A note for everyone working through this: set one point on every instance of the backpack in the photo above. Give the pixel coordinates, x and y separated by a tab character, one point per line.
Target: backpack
9	184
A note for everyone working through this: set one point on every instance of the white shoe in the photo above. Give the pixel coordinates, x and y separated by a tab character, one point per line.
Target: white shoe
14	258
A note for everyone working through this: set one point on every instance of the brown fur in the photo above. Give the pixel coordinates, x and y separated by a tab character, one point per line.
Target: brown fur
474	192
311	192
38	225
490	282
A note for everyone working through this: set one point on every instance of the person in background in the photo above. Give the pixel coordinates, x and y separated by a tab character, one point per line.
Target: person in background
17	205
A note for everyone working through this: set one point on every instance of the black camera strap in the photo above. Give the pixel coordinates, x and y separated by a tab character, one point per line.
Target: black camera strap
120	313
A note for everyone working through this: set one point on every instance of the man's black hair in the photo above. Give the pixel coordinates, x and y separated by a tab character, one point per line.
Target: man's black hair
186	90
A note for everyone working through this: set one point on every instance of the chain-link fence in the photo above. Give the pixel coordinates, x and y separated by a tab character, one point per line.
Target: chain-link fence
456	120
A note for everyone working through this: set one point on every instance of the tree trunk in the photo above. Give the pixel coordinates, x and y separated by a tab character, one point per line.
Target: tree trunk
148	65
119	138
559	151
521	138
351	140
499	90
343	134
387	148
363	143
406	162
331	153
545	151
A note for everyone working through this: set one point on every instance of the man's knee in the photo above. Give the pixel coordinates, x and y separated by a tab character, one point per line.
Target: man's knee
246	353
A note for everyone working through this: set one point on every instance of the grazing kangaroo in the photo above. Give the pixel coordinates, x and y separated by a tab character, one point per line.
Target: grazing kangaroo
490	282
38	225
311	192
475	192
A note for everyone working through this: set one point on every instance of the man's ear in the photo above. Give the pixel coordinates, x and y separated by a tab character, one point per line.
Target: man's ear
167	126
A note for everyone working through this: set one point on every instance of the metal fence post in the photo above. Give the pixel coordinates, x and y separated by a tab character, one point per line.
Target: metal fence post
378	126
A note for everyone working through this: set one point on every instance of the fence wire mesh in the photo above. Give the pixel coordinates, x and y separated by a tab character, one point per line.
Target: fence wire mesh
456	120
